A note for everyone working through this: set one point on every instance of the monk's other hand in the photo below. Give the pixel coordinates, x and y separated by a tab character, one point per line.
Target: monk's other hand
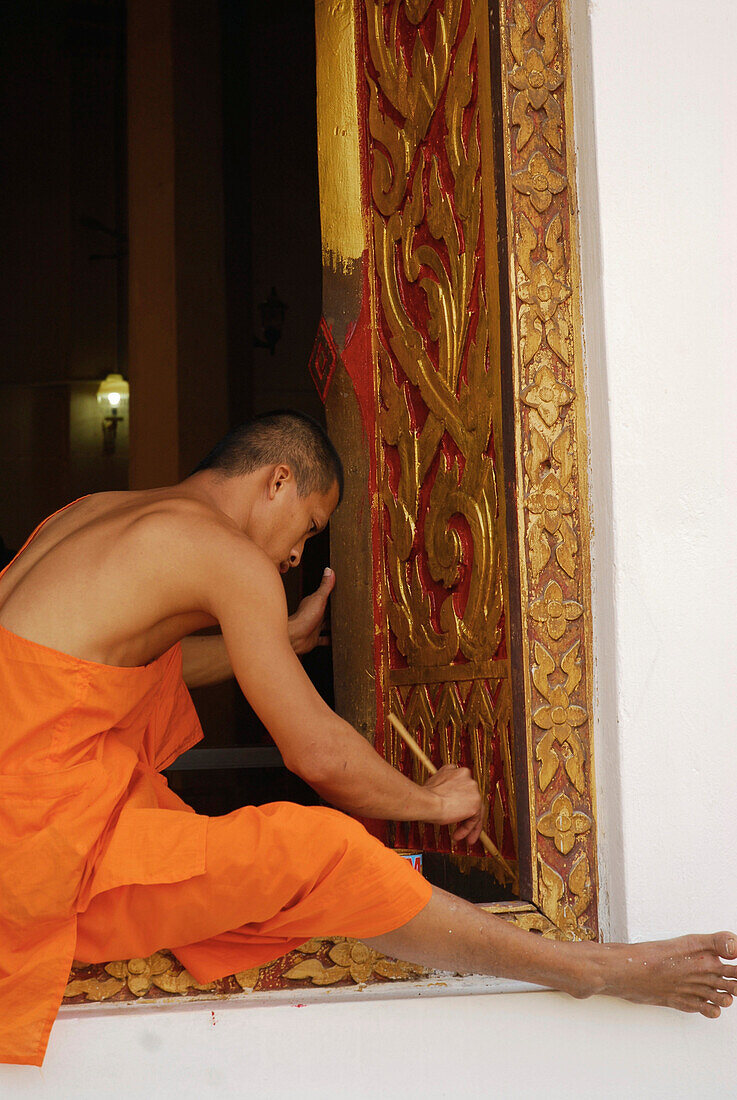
459	802
307	622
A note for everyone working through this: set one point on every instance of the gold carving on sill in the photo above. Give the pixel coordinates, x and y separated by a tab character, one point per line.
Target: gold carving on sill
530	920
350	959
138	975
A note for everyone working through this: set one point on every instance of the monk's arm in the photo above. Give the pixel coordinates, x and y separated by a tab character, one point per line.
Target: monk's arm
315	742
205	658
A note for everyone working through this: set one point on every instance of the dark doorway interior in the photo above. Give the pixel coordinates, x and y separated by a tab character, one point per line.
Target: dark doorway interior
271	239
247	220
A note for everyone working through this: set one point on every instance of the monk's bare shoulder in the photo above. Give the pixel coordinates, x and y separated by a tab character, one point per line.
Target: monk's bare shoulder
202	550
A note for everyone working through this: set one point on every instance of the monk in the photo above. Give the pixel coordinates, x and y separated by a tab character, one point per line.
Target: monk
99	860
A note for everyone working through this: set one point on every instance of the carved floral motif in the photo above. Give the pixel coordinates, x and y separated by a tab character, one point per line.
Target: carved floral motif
351	959
547	395
554	612
539	180
563	824
534	76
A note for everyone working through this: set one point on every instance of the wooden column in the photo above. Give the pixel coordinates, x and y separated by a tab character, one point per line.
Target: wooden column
154	438
178	353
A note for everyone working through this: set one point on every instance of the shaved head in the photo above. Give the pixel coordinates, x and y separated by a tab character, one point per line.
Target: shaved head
284	436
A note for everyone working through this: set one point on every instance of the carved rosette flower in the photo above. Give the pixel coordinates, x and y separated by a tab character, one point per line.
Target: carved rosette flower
543	292
559	715
551	502
563	824
553	612
351	959
539	180
139	974
356	959
158	969
534	79
547	395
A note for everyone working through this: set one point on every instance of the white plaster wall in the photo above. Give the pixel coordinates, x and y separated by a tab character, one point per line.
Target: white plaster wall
660	347
654	89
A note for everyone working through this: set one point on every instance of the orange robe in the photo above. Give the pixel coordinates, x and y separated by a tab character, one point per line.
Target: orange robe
100	859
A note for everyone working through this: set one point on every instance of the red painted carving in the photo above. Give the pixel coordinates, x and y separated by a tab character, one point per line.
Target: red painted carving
323	360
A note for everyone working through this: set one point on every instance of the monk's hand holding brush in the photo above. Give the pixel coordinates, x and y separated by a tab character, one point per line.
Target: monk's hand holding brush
470	829
460	802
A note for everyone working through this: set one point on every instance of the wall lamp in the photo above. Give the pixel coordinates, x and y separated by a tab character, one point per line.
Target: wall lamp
112	397
272	321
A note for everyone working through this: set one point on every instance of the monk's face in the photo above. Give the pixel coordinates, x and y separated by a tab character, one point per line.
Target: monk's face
285	521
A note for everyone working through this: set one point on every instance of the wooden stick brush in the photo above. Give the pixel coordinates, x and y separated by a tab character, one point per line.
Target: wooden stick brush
412	745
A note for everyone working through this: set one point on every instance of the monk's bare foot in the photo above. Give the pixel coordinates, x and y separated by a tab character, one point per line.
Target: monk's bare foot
686	973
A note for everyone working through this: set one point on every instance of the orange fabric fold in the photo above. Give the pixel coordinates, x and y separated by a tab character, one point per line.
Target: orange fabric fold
97	855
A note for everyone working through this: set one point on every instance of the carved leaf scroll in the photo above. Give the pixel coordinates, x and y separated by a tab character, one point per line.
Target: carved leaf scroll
444	542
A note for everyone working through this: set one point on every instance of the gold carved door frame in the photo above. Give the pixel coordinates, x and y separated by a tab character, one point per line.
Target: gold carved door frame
499	354
502	77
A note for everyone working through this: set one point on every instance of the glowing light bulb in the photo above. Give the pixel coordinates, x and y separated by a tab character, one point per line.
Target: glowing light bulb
114	399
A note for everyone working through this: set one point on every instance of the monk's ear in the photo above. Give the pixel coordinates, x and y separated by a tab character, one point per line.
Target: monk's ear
281	475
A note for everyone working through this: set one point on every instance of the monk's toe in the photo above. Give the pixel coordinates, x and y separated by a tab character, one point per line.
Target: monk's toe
725	945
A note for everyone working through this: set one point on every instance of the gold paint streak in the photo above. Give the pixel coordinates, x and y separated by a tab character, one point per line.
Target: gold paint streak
344	235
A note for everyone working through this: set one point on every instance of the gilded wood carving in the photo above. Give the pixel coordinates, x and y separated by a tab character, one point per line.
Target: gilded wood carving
445	665
550	448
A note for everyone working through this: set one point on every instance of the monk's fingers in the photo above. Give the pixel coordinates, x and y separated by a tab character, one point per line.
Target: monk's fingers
470	829
477	827
464	830
324	639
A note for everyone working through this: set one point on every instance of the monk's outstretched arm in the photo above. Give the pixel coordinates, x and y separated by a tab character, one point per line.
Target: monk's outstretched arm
248	601
205	658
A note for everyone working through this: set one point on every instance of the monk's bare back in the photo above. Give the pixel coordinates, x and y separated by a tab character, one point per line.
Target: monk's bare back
118	578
